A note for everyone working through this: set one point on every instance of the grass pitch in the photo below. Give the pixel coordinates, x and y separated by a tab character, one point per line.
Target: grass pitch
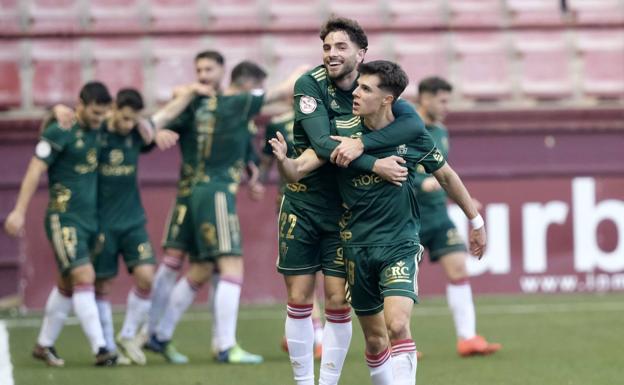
550	340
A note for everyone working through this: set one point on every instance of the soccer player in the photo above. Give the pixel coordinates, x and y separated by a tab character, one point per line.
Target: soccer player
379	228
217	131
311	208
70	157
438	233
283	124
124	136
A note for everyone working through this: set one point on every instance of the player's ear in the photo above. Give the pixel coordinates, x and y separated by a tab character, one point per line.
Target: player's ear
388	99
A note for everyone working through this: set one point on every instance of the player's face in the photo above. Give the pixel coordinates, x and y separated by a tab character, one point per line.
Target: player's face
209	72
93	114
125	119
436	106
340	55
368	98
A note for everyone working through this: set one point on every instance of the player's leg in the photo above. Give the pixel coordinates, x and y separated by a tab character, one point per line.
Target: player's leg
338	326
298	328
398	280
378	356
397	313
102	290
57	309
177	243
459	297
317	323
181	298
299	260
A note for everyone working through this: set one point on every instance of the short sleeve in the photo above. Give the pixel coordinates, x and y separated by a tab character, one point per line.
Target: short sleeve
183	121
432	160
52	142
308	101
254	102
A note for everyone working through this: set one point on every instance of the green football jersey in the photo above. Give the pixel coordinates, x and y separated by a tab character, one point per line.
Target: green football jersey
380	213
431	203
119	200
72	159
214	138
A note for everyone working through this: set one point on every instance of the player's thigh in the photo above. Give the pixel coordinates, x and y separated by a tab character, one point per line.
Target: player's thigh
443	239
300	288
398	275
363	281
70	241
299	251
105	254
332	254
215	222
136	248
397	313
179	234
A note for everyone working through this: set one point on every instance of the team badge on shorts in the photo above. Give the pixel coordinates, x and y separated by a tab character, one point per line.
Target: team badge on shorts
307	104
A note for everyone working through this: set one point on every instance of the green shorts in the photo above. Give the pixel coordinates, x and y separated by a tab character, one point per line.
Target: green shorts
441	238
309	241
376	272
70	240
179	233
215	222
132	243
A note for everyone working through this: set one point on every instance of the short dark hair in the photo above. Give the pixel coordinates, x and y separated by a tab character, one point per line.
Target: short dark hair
212	55
433	85
129	97
247	70
350	27
392	78
95	92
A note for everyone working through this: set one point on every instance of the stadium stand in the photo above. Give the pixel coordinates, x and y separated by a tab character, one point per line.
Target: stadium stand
286	14
10	16
239	15
10	86
175	15
117	63
476	13
56	16
534	13
424	13
602	57
115	16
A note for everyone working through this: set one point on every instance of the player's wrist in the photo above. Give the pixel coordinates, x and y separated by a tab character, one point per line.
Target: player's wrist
477	222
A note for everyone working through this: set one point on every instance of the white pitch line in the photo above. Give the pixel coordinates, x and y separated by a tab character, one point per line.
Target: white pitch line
6	368
419	311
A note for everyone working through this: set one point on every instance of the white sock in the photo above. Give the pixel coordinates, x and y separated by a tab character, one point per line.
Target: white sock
300	339
87	312
337	337
164	280
317	323
106	320
227	298
57	309
459	297
136	312
380	368
214	341
182	297
404	362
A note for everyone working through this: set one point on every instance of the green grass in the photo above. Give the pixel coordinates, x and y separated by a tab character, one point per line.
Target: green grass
550	340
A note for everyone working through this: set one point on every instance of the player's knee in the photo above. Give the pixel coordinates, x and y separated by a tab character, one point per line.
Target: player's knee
398	328
376	343
300	297
200	273
83	275
103	287
144	276
231	266
336	299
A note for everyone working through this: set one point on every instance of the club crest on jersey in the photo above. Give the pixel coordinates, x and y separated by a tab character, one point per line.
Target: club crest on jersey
402	149
307	104
334	106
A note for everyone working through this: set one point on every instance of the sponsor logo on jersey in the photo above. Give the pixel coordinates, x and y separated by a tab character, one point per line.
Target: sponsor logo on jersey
307	104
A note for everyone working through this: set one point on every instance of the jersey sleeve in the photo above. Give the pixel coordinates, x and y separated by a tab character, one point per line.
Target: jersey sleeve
183	121
251	155
406	125
51	143
432	160
308	101
253	104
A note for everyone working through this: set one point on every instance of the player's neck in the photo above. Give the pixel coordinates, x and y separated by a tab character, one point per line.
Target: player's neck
347	82
379	119
424	115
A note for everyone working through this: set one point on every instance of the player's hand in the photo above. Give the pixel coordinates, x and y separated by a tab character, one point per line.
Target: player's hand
348	150
64	116
477	242
203	89
280	148
430	184
166	139
14	224
391	169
